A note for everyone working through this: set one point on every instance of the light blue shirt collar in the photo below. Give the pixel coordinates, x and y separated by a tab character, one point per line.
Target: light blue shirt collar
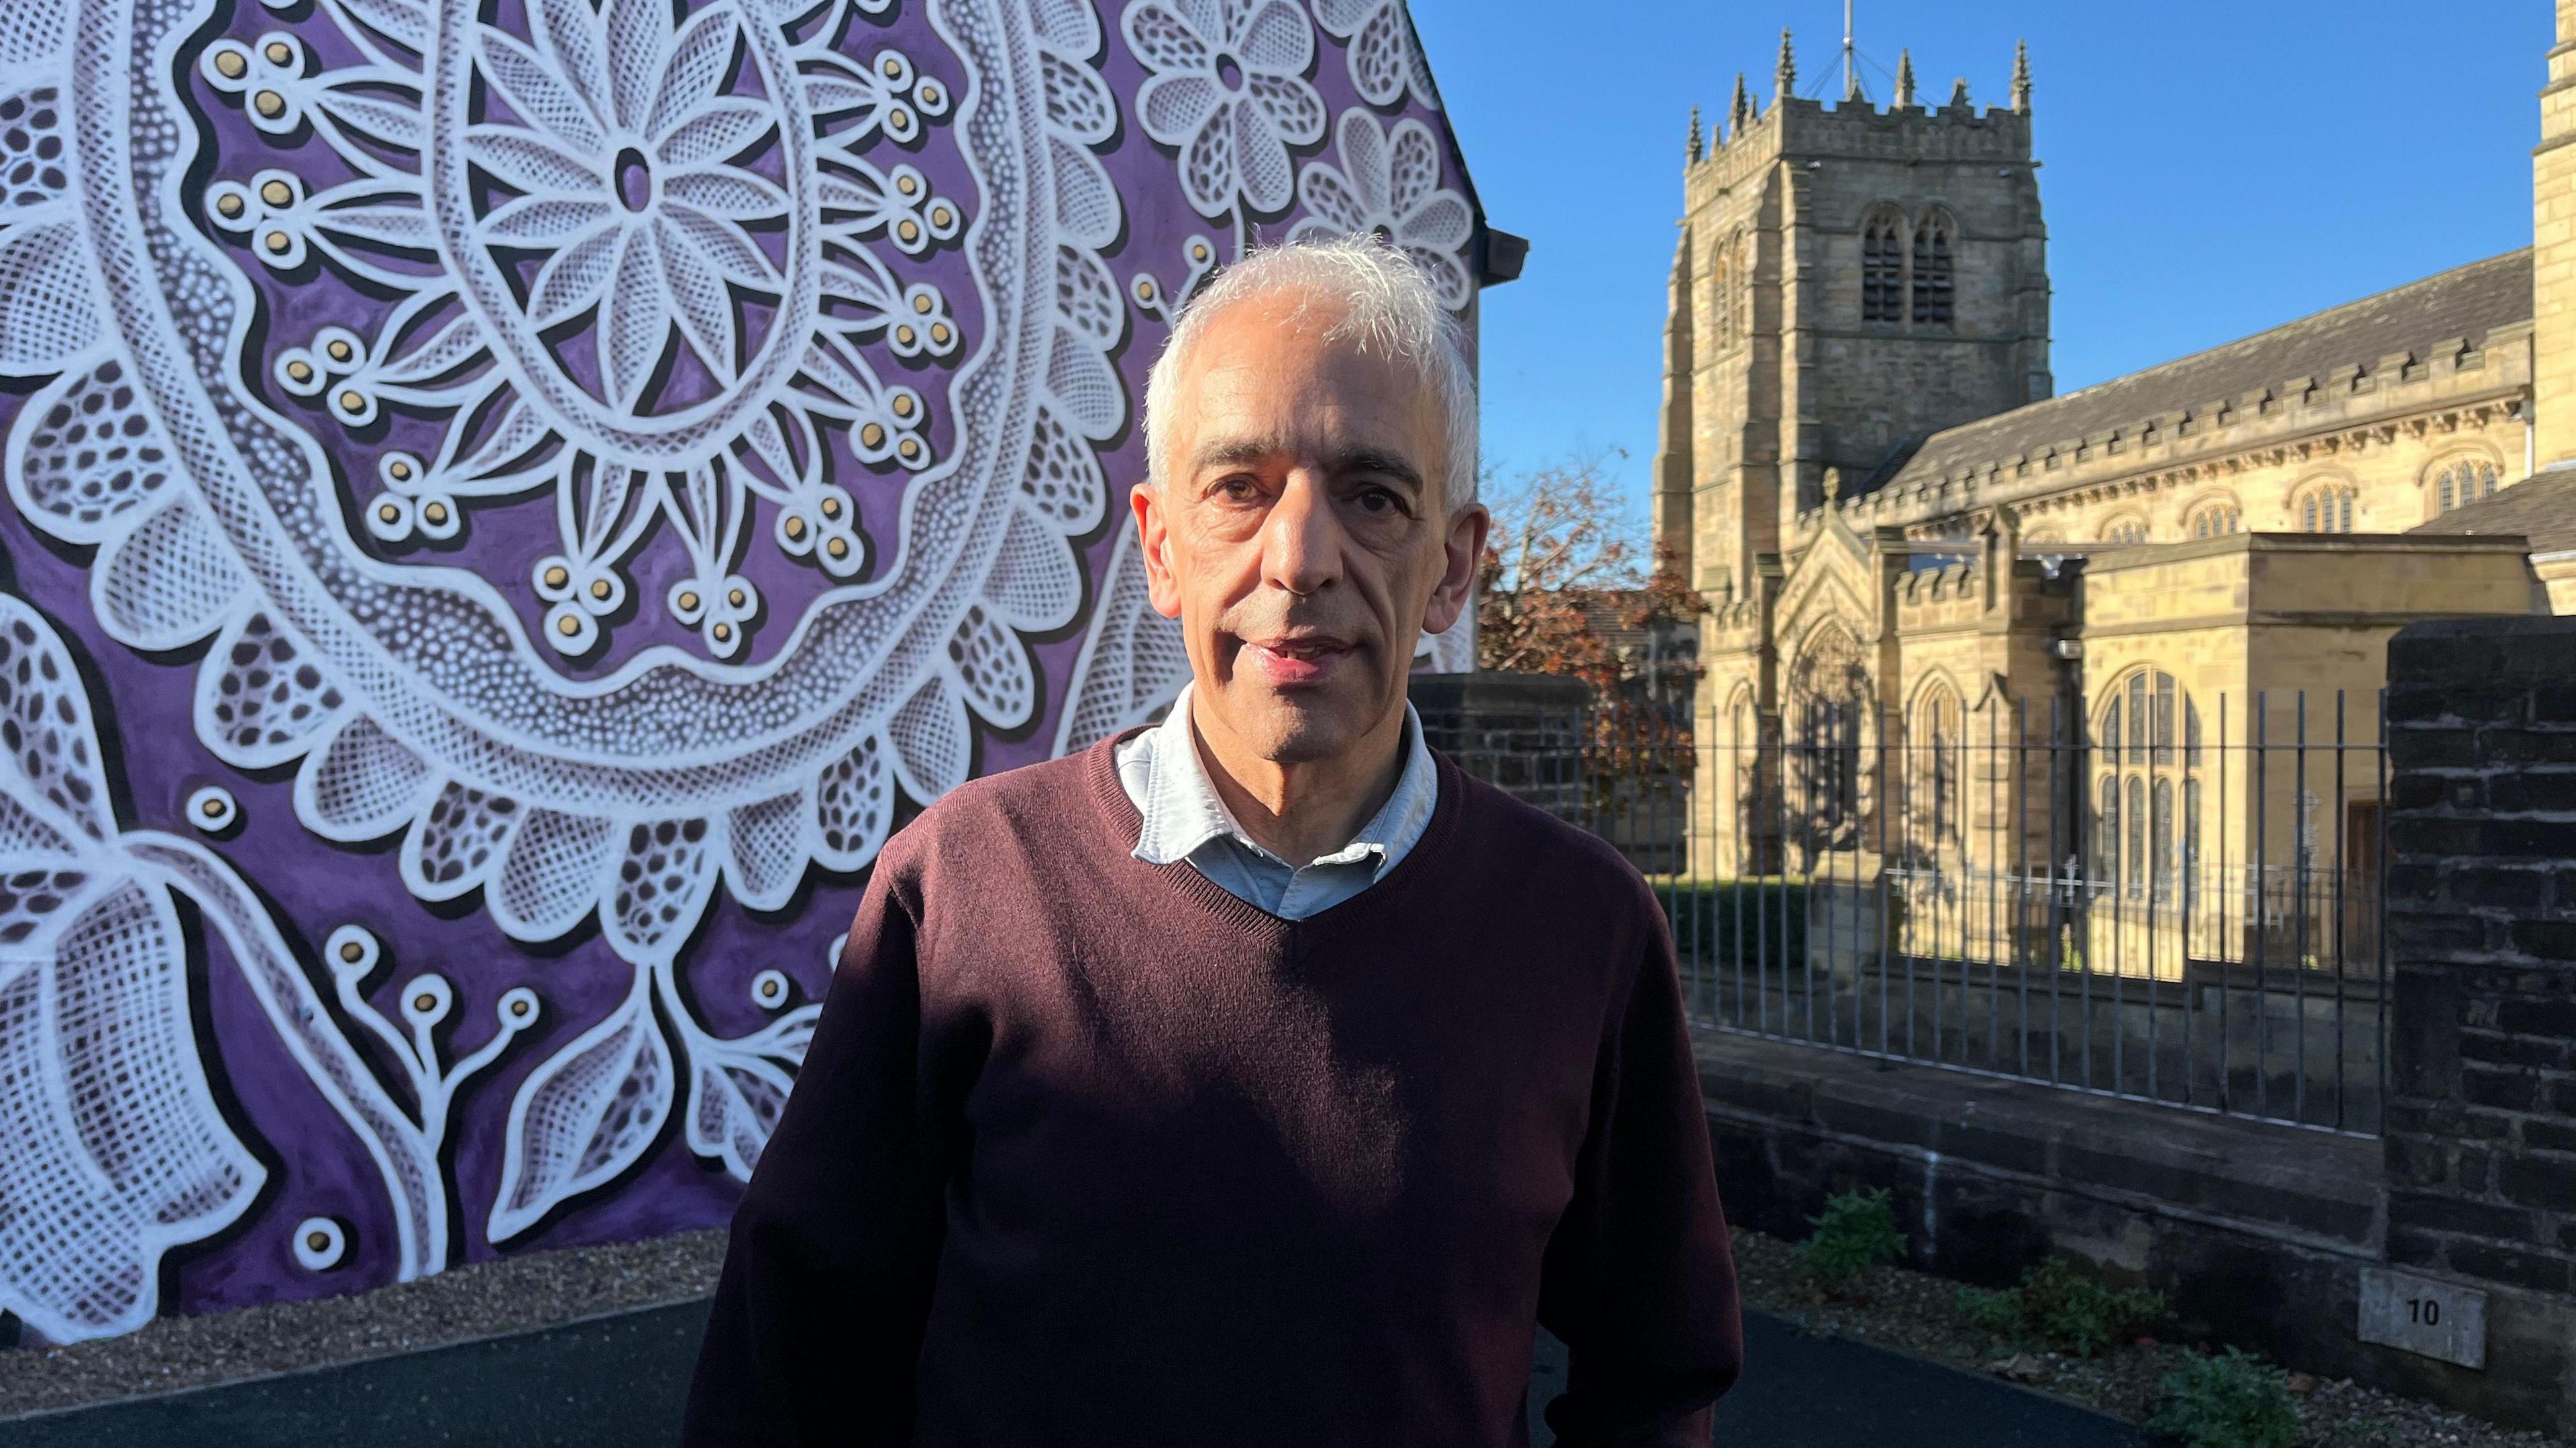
1185	819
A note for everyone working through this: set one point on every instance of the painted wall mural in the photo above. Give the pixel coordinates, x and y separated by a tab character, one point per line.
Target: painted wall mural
510	502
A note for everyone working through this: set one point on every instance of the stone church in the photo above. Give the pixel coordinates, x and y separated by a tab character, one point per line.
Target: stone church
1909	544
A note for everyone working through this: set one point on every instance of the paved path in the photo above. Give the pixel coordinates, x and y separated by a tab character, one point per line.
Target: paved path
618	1383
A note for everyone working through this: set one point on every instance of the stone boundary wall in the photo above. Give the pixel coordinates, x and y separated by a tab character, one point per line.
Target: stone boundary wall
1521	732
2481	1145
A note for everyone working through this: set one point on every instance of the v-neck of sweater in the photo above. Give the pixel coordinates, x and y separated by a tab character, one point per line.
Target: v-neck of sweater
1423	862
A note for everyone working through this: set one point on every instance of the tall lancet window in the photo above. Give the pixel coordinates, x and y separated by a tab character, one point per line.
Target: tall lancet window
1882	267
1932	271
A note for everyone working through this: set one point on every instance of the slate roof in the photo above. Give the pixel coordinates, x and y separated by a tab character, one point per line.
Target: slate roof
2541	508
2464	302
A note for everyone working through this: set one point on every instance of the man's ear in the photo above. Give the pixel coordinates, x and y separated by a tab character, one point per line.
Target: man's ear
1154	536
1462	549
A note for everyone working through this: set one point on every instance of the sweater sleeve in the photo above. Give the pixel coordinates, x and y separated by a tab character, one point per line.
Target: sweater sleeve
819	1315
1638	1279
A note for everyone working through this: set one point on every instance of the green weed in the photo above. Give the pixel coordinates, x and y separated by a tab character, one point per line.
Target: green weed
2059	1308
2234	1400
1857	1232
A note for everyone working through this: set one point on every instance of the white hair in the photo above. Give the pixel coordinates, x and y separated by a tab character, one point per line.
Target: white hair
1380	298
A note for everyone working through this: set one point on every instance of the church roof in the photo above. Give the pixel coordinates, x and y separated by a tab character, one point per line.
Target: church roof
2541	508
2464	302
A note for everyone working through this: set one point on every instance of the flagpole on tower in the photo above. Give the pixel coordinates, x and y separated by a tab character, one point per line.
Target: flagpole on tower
1851	69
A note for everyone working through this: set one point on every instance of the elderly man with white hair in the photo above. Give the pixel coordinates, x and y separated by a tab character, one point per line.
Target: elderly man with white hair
1255	1077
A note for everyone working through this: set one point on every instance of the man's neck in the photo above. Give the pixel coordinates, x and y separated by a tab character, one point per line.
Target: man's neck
1301	811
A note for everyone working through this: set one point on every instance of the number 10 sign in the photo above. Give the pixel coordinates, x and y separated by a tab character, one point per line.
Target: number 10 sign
2421	1315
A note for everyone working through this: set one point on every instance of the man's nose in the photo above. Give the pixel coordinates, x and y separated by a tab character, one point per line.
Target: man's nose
1301	545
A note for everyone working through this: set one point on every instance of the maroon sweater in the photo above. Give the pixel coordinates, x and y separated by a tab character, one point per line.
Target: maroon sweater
1089	1151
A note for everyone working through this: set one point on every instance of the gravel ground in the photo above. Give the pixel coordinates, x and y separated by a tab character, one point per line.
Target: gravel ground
1894	1307
1915	1311
482	1300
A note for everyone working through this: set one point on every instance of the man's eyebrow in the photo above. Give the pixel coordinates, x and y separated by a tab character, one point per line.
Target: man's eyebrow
1239	452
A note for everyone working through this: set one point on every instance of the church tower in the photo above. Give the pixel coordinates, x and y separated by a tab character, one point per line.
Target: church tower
2553	255
1850	279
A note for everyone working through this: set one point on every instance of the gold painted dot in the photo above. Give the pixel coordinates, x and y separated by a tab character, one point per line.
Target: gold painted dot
872	435
899	122
921	303
557	577
400	471
737	598
769	990
601	588
723	632
269	103
351	401
939	333
278	242
795	527
230	65
518	1008
928	93
941	216
838	548
902	406
906	185
340	351
908	231
423	1001
351	951
911	449
278	52
300	370
688	603
1198	251
318	1241
389	513
212	809
229	204
567	625
905	335
1144	290
892	66
275	192
831	507
435	512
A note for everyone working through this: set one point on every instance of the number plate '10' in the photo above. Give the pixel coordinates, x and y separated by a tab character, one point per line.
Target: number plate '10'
2437	1319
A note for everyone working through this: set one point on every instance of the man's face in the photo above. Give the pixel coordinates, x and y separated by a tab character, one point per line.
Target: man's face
1300	536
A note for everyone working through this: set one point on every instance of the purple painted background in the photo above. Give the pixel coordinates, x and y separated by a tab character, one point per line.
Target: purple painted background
143	704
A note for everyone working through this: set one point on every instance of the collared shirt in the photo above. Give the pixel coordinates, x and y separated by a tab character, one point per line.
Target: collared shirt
1186	820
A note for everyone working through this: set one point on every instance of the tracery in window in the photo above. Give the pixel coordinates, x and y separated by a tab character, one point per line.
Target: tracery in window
2463	482
2216	520
2326	508
2130	529
1882	267
2148	747
1932	271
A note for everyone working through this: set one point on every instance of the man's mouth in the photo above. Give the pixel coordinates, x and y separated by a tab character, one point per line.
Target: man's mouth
1294	659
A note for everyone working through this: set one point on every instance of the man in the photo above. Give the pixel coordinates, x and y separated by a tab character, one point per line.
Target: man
1255	1078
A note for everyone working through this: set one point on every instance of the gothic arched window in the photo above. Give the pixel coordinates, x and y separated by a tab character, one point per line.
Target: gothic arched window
1882	267
1937	768
2326	508
2463	482
1932	241
2217	519
2130	529
2148	748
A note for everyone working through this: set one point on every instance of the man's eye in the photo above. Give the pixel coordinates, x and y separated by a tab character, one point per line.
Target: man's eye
1238	489
1380	500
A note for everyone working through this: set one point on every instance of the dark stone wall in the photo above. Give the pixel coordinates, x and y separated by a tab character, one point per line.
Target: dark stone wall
2481	1140
1522	732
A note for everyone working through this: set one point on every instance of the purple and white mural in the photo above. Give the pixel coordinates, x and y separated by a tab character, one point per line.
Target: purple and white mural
510	502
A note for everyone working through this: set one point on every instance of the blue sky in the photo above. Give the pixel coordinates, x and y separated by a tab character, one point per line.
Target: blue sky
2209	169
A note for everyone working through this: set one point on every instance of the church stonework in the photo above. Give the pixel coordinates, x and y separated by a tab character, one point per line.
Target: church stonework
1864	472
